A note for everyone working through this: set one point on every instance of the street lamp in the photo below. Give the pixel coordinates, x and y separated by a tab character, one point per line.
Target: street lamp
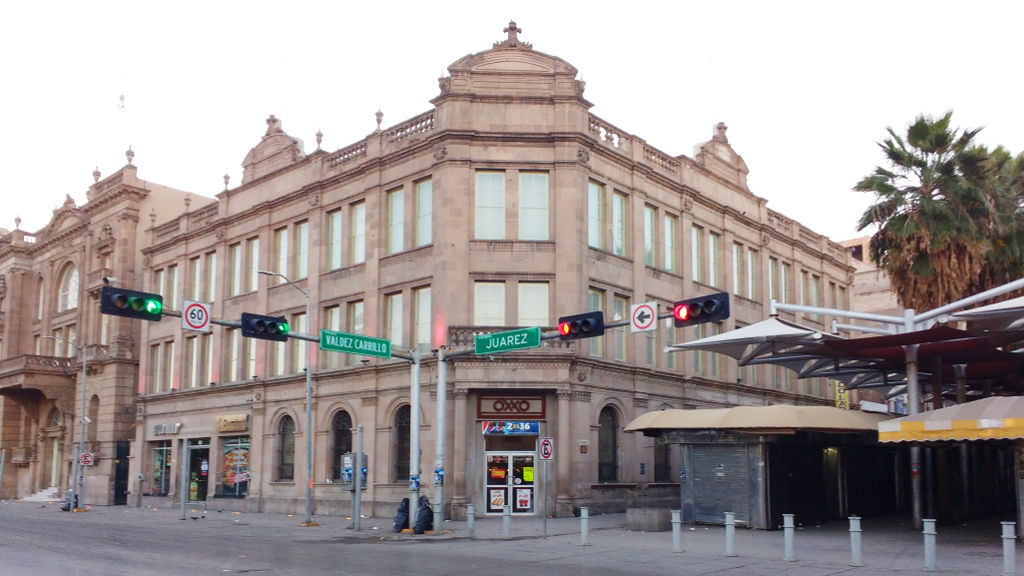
309	401
76	480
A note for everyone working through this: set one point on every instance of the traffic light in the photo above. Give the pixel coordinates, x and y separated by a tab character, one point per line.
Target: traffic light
264	327
130	303
710	308
586	325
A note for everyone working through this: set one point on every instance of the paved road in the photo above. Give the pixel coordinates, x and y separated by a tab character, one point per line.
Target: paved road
37	540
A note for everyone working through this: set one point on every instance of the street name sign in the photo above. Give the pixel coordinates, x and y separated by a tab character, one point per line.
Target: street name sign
518	339
354	344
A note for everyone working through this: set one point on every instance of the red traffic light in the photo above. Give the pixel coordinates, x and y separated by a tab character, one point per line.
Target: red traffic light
586	325
710	308
681	312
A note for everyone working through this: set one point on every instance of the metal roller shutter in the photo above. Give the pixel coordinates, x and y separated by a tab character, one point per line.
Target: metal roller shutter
721	482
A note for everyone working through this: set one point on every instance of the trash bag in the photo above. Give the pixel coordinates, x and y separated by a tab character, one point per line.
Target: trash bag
424	517
402	516
66	505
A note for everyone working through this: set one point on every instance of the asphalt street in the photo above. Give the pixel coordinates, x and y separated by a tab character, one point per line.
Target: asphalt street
39	540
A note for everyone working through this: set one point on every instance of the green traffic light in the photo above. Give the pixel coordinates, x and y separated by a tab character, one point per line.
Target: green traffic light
154	306
283	328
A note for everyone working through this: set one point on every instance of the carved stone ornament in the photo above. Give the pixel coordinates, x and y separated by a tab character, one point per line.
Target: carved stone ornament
314	198
441	152
583	155
513	40
687	204
221	233
146	261
444	83
766	238
3	287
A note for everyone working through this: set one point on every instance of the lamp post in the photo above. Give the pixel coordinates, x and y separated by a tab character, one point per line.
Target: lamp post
77	466
309	400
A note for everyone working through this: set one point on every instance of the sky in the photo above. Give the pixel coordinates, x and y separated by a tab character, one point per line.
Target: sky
807	89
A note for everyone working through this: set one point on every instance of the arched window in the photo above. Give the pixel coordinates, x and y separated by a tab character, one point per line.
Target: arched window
55	417
40	299
68	289
285	450
400	440
94	418
608	446
341	437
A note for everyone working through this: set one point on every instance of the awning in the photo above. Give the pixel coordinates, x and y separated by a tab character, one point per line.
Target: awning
998	316
992	418
778	418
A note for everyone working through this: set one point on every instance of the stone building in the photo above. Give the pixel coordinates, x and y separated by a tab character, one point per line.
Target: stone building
506	204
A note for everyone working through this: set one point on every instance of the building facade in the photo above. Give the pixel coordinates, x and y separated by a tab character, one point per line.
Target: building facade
507	204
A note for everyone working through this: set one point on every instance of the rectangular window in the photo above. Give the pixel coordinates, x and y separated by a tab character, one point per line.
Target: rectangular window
195	267
169	376
249	357
394	318
650	219
299	353
773	278
489	303
301	250
784	275
669	255
489	221
193	362
698	356
155	368
158	285
533	304
237	269
210	276
105	329
280	254
716	358
619	224
714	268
696	253
358	231
172	288
37	345
620	311
252	256
815	292
396	220
670	338
422	334
355	325
280	357
595	215
595	301
753	276
334	240
332	321
843	303
533	206
737	269
424	212
234	354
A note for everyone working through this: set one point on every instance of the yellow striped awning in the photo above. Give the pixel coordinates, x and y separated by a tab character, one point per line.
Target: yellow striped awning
993	418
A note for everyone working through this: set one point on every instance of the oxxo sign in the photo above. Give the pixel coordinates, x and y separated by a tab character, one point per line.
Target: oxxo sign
510	407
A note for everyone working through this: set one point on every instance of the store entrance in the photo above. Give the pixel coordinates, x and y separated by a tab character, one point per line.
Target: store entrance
510	482
198	469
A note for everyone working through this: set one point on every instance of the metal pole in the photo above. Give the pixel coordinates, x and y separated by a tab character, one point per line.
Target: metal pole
787	532
730	534
309	415
856	558
183	455
439	433
1009	548
3	460
470	519
677	532
357	495
78	498
506	521
929	544
913	407
544	522
414	438
584	526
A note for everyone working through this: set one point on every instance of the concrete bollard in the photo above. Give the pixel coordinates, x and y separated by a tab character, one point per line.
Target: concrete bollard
677	531
788	528
506	521
471	519
1009	548
730	534
584	526
856	557
929	544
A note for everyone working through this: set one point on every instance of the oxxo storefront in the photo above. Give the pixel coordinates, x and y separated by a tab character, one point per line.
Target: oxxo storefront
511	475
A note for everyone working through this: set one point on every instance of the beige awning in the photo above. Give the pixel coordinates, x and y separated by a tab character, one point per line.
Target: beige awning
992	418
778	418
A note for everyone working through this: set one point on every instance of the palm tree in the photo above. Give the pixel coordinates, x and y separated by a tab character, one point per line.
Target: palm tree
1004	187
934	218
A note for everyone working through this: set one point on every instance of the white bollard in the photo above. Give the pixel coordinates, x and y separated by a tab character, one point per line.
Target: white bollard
730	534
471	519
787	531
677	532
856	558
929	544
1009	548
506	521
584	526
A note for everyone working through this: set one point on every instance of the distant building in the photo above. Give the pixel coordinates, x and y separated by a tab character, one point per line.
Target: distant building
507	204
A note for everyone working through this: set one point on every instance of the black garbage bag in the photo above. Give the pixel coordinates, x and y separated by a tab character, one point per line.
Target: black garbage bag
402	516
424	517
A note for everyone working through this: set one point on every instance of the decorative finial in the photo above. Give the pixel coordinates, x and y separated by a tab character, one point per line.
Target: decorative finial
227	179
152	217
188	201
720	136
17	222
380	116
273	126
319	138
96	174
129	155
513	40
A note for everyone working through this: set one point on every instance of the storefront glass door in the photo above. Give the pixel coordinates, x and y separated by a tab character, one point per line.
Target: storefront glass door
510	481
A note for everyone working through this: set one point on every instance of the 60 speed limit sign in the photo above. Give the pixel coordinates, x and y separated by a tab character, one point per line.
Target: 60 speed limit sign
196	316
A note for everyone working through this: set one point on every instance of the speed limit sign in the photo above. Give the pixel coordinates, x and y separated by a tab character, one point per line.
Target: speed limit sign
196	316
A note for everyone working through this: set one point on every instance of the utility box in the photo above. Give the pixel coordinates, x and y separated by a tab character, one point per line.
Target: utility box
348	464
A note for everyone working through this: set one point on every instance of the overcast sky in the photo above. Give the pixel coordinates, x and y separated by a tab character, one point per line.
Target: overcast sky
806	88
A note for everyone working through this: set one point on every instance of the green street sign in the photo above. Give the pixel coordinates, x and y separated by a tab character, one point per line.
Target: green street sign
507	341
354	344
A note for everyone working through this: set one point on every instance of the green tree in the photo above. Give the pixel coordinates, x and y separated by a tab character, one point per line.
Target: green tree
935	211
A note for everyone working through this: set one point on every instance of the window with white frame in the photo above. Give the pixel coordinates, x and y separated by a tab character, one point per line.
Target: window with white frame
280	254
650	234
237	263
595	302
423	328
773	278
489	206
299	353
784	283
737	269
620	311
619	224
332	321
279	352
669	256
334	240
68	296
396	220
252	257
752	276
533	206
532	303
595	215
301	250
234	354
696	253
357	230
393	318
210	277
172	287
40	299
489	303
356	325
714	252
195	270
424	212
158	284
